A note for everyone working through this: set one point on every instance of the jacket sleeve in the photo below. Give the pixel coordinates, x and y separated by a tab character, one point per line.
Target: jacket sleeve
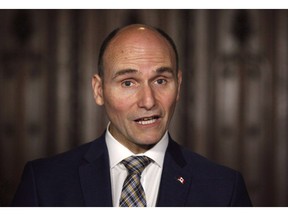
240	196
26	194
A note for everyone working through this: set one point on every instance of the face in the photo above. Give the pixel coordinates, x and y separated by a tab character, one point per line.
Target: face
139	88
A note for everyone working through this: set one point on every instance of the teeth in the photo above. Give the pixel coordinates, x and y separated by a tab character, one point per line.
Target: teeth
146	122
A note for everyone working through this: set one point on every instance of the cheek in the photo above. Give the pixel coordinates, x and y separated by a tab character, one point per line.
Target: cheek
115	111
168	103
168	98
117	98
115	103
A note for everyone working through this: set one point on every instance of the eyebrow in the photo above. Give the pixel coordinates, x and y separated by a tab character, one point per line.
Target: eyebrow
124	72
164	69
133	71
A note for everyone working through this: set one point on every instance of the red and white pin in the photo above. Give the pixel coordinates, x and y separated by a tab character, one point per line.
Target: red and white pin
181	179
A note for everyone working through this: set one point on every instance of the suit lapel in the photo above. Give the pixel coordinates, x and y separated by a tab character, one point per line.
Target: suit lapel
95	175
95	180
175	182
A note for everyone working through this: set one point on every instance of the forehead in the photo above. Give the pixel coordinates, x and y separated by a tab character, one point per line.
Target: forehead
138	41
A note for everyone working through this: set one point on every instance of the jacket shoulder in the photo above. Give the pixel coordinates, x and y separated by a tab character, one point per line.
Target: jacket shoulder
70	159
193	163
212	184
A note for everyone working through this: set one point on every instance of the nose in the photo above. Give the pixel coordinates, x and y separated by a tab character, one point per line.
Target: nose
146	98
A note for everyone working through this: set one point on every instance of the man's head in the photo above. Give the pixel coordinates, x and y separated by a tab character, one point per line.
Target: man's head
139	85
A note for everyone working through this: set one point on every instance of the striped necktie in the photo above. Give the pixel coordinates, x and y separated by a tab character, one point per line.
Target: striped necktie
133	194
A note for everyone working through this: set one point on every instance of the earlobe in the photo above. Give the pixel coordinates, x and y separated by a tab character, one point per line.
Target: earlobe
97	87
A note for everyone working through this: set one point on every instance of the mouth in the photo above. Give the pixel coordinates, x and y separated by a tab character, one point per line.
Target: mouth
147	120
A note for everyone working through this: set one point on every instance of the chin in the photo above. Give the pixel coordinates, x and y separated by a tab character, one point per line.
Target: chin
149	140
148	137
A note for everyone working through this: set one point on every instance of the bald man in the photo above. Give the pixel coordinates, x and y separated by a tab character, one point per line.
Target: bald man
138	83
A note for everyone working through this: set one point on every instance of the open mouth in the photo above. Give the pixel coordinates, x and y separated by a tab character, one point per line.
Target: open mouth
147	120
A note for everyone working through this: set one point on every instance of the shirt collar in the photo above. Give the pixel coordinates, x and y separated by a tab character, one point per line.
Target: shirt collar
118	152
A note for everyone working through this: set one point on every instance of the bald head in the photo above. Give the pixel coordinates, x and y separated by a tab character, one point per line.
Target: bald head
136	33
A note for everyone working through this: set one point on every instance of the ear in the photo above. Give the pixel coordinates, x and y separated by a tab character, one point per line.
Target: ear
179	77
97	87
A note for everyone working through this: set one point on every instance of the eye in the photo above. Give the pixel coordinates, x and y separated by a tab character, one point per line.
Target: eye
127	83
161	81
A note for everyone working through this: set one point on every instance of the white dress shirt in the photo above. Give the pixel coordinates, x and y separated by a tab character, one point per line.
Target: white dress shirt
150	178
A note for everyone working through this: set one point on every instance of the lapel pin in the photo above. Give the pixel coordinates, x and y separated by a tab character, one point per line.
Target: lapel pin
181	180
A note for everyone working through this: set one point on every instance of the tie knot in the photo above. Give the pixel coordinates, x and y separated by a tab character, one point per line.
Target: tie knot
136	164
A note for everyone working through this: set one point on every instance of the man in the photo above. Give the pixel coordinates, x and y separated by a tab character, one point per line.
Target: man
138	84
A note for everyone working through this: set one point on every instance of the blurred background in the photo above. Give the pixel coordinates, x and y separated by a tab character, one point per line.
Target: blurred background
234	100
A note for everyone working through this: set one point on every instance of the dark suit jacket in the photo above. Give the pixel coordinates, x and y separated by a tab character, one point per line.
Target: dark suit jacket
81	177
